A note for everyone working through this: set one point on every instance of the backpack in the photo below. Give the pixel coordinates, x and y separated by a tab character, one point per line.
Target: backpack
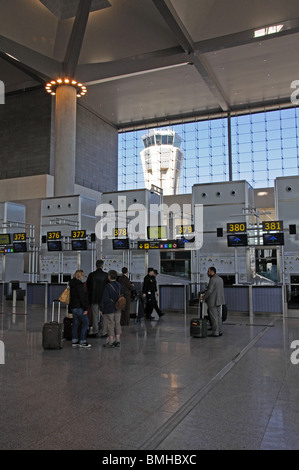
121	301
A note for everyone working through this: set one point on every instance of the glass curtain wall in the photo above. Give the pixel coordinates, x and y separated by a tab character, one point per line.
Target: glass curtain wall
264	146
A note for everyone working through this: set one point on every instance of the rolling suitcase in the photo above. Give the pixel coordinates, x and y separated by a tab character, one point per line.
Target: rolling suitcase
52	334
198	326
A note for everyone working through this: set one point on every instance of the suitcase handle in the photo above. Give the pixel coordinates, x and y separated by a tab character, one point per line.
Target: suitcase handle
58	310
201	309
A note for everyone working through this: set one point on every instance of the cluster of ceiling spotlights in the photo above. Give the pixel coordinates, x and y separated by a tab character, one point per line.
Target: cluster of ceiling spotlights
53	84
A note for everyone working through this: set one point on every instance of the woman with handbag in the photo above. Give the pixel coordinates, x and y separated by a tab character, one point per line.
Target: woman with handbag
79	307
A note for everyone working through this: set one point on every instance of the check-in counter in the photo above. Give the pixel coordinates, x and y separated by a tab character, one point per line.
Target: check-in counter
36	293
254	299
237	298
172	296
43	293
245	299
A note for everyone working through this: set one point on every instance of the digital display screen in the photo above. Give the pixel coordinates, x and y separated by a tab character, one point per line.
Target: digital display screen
54	245
120	244
158	232
237	240
183	242
4	239
20	247
273	239
79	245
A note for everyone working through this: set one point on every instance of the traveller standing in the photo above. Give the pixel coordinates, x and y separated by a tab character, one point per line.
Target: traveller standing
128	287
95	283
111	316
79	305
149	291
214	297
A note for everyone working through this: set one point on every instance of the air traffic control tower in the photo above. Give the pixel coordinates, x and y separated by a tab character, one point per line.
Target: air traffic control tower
162	160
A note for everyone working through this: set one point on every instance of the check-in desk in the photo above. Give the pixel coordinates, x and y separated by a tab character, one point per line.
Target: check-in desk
247	299
172	297
254	299
43	293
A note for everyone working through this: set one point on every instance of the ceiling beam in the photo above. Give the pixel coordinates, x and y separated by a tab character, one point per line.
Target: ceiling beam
97	72
243	38
142	63
170	16
26	59
77	36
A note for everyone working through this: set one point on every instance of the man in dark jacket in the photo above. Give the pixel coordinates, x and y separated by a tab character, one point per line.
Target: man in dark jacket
149	291
95	283
78	305
128	287
108	309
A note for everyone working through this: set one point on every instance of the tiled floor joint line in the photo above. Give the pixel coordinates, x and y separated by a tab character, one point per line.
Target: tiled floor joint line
153	442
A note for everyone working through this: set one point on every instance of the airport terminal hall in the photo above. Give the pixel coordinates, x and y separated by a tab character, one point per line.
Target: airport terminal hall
149	227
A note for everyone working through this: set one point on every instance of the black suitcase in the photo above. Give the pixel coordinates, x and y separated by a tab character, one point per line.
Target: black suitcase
198	326
52	334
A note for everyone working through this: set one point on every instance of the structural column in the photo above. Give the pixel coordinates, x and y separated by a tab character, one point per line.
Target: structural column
65	140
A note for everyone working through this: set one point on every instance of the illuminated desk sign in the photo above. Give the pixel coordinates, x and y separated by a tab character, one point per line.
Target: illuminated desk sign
120	232
5	239
53	235
272	226
6	250
236	227
19	237
162	245
158	232
271	239
145	245
237	240
184	229
75	234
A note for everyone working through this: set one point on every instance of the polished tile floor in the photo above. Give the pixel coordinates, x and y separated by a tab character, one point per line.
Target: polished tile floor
162	390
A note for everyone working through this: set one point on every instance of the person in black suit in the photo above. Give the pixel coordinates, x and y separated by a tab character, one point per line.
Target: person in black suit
149	292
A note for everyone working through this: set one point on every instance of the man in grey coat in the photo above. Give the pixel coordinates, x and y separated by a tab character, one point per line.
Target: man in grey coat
214	296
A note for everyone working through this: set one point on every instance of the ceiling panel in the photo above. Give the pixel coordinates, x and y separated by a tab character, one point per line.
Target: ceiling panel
151	61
